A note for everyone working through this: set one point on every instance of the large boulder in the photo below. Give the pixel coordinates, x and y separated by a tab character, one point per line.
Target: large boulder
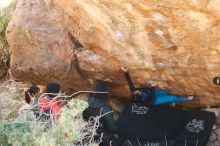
41	47
176	44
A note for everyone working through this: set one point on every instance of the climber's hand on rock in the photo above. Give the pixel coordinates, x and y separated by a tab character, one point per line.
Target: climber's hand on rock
152	83
124	69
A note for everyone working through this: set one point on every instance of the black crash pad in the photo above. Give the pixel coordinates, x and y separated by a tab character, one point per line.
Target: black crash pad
157	123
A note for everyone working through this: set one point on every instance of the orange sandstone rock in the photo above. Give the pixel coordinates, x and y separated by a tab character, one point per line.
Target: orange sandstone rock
173	43
42	50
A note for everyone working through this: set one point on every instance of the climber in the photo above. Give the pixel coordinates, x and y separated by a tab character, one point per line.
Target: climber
49	102
98	107
32	92
151	95
32	97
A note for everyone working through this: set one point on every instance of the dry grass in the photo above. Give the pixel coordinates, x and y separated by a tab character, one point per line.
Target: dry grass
11	97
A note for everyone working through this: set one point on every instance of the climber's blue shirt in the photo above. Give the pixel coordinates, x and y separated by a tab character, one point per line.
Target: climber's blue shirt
161	97
144	96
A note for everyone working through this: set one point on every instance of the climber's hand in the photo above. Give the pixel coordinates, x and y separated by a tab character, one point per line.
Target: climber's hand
152	83
124	69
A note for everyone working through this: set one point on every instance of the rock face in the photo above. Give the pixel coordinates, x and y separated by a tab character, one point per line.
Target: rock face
42	49
176	44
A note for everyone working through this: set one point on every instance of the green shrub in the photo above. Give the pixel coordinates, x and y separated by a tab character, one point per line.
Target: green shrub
67	131
5	16
17	134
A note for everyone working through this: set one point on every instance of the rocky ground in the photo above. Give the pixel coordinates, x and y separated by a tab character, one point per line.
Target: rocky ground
215	136
214	139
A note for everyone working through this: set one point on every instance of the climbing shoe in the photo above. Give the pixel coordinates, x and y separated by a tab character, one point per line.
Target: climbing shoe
189	97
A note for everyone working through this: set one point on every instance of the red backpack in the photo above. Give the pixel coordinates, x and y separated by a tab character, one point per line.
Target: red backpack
51	105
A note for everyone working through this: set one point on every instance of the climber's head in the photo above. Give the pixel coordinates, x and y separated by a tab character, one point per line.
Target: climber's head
53	88
31	92
34	90
136	96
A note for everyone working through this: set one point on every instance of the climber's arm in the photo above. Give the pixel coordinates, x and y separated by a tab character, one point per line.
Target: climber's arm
128	78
